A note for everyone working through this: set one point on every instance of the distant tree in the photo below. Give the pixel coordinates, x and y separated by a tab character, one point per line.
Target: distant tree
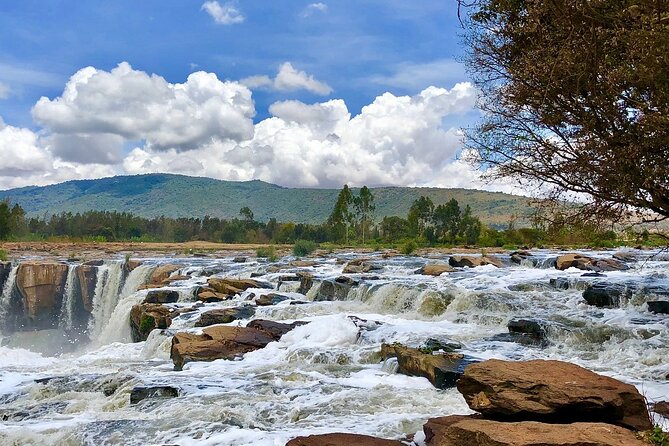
447	220
246	213
575	96
420	215
394	228
365	207
470	227
341	217
5	220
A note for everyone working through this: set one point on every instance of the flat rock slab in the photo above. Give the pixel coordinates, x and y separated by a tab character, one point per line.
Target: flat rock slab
342	440
551	391
460	430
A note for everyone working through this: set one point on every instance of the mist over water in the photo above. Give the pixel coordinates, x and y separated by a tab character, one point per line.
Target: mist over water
327	375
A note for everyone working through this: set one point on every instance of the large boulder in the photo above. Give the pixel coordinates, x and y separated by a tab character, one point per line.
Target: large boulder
272	328
473	261
574	260
230	287
458	430
162	272
551	391
342	440
306	282
217	342
330	290
161	297
41	285
606	295
442	369
225	315
147	317
265	300
359	266
434	269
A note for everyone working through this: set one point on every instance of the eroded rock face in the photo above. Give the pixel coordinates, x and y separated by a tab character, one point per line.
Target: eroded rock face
162	272
461	430
217	342
230	287
161	297
342	440
147	317
5	268
473	261
551	391
225	315
41	285
442	370
87	275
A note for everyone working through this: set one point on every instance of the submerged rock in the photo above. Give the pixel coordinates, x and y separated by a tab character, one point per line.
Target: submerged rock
141	393
605	295
270	299
460	430
272	328
533	329
474	261
442	370
225	315
358	266
342	440
518	257
551	391
658	306
145	318
330	290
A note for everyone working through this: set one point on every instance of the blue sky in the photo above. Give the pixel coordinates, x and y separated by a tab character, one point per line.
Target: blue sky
355	51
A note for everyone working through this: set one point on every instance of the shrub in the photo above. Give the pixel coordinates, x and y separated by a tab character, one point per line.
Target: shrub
304	247
4	255
268	252
408	248
657	437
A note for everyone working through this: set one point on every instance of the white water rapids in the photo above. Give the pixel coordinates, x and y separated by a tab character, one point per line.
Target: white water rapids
325	376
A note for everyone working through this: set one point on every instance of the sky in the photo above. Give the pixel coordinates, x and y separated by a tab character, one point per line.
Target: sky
296	93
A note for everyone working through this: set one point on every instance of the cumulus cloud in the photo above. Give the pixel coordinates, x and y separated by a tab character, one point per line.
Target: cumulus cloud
134	105
227	14
4	91
313	8
288	79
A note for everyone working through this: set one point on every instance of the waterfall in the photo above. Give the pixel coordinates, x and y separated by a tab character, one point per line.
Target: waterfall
6	296
107	289
390	365
66	319
116	328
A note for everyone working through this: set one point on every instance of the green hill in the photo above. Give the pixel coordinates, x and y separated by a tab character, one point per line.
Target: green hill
182	196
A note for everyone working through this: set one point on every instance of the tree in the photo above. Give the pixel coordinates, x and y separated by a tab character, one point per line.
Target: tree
447	220
341	217
575	97
246	213
420	215
5	220
365	207
470	227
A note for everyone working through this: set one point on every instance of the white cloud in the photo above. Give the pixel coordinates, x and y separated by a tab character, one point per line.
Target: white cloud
314	7
416	76
227	14
136	106
289	79
4	91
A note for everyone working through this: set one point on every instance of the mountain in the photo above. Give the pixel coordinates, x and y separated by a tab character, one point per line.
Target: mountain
170	195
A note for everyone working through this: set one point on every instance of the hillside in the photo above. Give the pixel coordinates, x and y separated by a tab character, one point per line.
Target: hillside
182	196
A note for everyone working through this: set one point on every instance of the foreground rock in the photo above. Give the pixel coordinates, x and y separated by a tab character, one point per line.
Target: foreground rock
605	295
225	315
225	342
342	440
147	317
461	430
442	370
551	391
474	261
580	261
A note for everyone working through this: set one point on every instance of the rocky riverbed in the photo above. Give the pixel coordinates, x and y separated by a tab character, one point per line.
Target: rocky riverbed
230	349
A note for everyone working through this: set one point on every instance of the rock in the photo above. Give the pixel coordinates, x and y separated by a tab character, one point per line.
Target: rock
446	345
358	266
518	257
609	265
330	290
231	287
131	265
272	328
87	274
41	285
270	299
5	269
458	430
661	408
141	393
624	256
551	391
147	317
216	342
239	259
364	324
473	261
531	328
342	440
173	279
306	282
442	370
658	306
162	272
225	315
206	294
605	295
434	269
161	297
574	260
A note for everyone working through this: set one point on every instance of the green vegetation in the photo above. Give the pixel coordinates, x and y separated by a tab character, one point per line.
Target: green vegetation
268	253
4	255
408	247
658	437
304	247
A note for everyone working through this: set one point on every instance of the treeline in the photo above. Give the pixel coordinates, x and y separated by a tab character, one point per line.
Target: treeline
351	222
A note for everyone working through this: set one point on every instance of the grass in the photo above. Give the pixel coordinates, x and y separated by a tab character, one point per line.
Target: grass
304	247
4	255
268	253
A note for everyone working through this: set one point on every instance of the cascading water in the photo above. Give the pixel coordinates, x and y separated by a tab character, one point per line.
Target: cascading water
107	289
6	296
66	319
116	327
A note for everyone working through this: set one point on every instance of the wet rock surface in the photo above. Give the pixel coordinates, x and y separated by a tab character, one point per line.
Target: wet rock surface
342	440
141	393
145	318
225	315
161	297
